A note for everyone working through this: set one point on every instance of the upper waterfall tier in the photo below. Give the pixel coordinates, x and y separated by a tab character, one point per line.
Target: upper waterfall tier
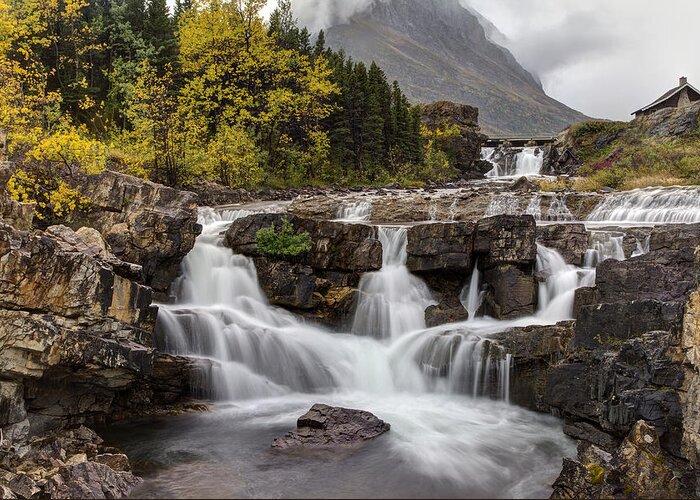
652	205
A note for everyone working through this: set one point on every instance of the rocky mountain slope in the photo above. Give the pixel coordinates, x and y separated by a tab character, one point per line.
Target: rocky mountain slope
438	50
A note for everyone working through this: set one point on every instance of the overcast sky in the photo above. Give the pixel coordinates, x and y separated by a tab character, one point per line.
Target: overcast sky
605	58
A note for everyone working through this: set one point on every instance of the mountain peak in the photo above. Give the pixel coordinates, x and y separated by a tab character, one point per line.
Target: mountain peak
439	50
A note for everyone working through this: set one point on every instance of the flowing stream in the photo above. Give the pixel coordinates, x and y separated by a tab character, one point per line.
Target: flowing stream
669	205
445	390
527	162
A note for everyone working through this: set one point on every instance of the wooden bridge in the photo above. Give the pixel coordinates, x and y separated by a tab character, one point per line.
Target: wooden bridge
521	141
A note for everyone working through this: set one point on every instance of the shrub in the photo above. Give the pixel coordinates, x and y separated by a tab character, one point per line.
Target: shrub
283	243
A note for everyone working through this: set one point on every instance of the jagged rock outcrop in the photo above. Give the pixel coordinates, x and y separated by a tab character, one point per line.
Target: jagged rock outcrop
13	213
464	149
65	464
638	468
144	223
326	426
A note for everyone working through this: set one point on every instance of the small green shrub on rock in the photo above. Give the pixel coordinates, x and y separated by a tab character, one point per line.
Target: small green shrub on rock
282	243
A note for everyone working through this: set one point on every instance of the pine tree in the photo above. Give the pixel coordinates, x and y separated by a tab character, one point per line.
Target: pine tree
159	33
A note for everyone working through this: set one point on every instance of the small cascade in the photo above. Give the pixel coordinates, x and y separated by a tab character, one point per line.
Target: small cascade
354	212
642	246
604	245
452	213
556	294
527	162
459	362
503	204
558	211
669	205
534	207
472	296
392	301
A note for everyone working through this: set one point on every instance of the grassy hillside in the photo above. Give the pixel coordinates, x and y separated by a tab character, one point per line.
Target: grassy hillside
660	150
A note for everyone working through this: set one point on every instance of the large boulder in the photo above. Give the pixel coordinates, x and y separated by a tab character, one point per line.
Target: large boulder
506	239
512	292
144	223
440	246
335	246
326	426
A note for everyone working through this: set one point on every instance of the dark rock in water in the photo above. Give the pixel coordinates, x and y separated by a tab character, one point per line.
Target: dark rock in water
666	275
440	246
524	185
570	240
440	315
326	426
512	292
611	324
675	237
336	246
287	284
506	239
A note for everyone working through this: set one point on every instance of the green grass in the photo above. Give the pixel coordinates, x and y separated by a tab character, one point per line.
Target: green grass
283	243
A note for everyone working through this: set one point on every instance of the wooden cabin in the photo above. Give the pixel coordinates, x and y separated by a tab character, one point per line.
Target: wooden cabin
683	95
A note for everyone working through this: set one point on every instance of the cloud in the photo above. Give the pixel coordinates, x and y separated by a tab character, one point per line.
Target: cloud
603	57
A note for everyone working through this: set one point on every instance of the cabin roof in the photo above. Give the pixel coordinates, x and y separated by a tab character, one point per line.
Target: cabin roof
667	96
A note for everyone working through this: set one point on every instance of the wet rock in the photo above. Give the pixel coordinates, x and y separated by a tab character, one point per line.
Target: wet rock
585	296
570	240
287	284
610	324
665	276
534	350
212	194
116	461
12	408
336	246
512	292
330	427
524	185
440	315
506	239
144	223
440	246
675	237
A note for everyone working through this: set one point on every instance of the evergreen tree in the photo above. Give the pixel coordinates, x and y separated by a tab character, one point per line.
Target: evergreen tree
159	33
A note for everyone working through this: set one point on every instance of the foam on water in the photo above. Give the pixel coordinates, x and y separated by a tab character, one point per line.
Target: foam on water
667	205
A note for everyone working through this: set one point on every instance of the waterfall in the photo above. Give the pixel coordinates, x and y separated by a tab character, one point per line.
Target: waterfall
558	211
527	162
503	204
556	294
534	207
354	212
472	296
392	301
642	246
604	245
651	205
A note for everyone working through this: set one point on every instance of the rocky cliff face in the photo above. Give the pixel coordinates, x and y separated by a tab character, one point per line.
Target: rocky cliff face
76	322
438	50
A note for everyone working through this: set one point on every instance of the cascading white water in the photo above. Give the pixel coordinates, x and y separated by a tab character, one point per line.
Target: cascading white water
556	295
642	246
534	208
652	205
268	361
527	162
392	301
354	212
604	245
558	211
472	296
503	204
